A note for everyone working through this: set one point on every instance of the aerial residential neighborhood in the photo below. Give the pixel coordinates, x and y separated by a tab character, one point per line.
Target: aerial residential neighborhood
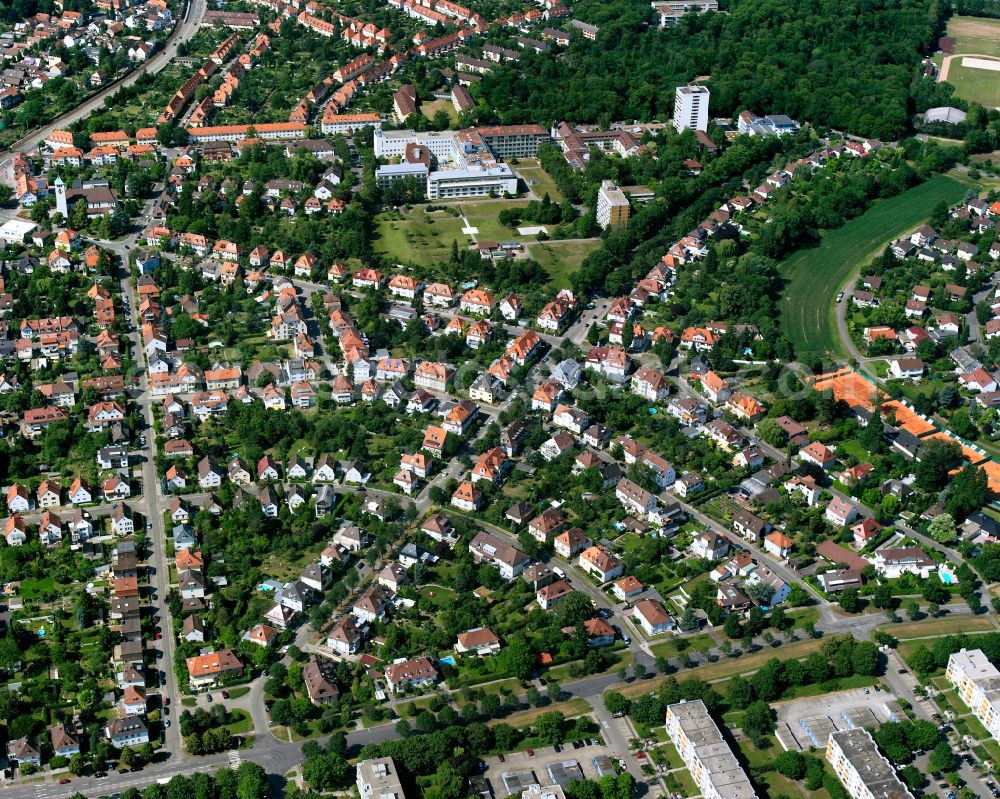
546	400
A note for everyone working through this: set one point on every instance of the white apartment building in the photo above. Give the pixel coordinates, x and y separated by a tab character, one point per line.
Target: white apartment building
476	181
612	205
671	11
691	108
861	768
705	753
466	167
378	779
978	684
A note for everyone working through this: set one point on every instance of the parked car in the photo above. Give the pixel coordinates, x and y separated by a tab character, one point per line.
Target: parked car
531	753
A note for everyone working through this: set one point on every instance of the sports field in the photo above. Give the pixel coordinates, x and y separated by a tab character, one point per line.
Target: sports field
975	84
815	275
973	80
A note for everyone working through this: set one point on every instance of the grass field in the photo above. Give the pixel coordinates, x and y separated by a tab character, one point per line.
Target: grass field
974	84
485	217
975	35
32	589
815	275
562	259
431	108
541	184
422	238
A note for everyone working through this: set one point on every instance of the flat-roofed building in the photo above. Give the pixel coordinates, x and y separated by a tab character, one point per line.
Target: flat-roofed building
705	752
977	681
861	768
379	779
670	12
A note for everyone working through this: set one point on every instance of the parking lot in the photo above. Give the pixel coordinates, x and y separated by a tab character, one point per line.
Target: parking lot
522	769
807	722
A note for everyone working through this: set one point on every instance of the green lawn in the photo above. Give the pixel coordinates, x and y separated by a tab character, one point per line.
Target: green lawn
815	275
541	182
420	238
853	448
431	108
974	84
36	588
562	259
692	644
484	216
243	723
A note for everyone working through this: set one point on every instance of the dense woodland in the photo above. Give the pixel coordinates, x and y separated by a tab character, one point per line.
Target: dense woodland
849	66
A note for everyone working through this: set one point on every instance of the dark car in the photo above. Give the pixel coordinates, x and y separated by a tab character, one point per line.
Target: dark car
531	753
501	758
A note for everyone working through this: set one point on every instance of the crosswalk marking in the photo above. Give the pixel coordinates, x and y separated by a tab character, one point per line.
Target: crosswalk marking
234	759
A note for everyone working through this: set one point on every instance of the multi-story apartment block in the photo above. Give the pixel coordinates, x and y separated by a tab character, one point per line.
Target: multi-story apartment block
691	108
612	205
978	684
705	753
861	768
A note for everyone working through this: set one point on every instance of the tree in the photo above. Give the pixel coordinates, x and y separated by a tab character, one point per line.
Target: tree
549	726
127	759
758	721
871	436
688	620
615	703
772	432
921	661
882	598
740	693
592	335
732	627
937	457
326	772
942	528
849	601
942	759
913	777
517	659
791	764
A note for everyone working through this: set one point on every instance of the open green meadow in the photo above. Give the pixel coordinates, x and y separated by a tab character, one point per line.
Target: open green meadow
562	258
975	35
815	275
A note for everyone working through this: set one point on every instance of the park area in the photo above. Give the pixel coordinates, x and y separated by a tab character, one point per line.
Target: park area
412	235
816	274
